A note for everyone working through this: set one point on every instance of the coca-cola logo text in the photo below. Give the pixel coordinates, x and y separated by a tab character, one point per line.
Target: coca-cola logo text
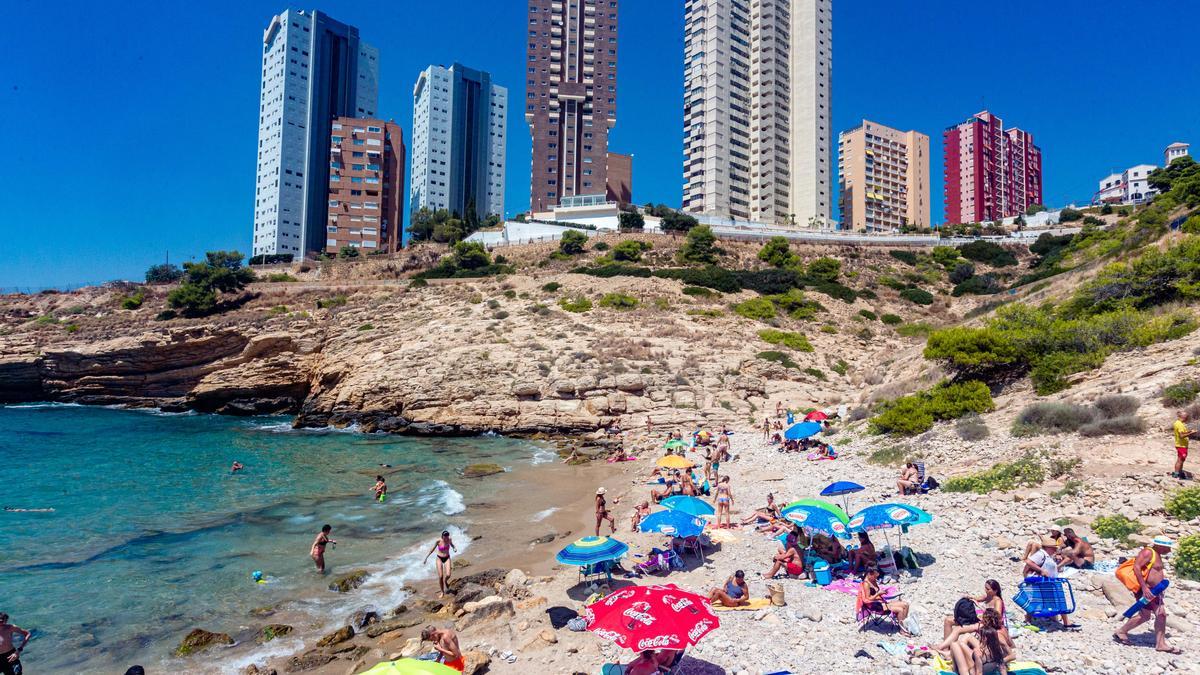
657	642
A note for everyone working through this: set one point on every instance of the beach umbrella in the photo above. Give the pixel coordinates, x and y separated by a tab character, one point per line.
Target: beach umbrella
410	667
842	488
675	444
820	504
884	516
802	430
814	519
674	523
591	550
816	416
675	462
651	617
689	505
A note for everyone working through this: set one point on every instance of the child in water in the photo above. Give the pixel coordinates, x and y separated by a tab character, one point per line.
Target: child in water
380	488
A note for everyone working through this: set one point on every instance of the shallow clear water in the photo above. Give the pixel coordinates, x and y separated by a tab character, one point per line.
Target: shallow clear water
152	536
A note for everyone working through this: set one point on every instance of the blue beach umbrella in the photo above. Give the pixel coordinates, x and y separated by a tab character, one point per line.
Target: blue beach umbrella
880	516
820	520
591	550
802	430
689	505
675	523
842	488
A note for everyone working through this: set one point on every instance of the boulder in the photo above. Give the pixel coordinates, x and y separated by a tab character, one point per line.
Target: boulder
489	611
427	605
336	637
481	470
515	577
477	662
548	636
526	389
1118	596
364	617
272	631
393	625
472	592
349	582
308	661
199	640
411	648
630	383
471	607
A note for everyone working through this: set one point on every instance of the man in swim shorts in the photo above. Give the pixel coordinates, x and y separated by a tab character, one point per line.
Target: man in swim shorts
445	641
10	656
1182	435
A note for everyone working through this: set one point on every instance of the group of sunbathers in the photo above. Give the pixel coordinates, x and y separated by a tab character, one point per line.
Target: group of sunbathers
976	635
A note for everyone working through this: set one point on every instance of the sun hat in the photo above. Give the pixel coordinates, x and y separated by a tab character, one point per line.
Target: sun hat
1163	541
601	491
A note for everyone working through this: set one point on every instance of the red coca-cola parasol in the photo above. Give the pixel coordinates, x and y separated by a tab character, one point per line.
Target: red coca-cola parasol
651	617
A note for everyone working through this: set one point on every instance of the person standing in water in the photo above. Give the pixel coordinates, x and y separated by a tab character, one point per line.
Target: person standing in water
237	466
10	655
380	488
443	547
318	547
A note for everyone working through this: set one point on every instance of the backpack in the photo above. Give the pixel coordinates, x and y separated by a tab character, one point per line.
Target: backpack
931	483
1126	576
964	613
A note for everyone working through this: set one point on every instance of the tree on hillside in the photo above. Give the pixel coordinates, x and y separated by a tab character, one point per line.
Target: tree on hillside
1070	215
348	252
674	221
1164	178
165	273
1035	208
440	226
203	282
572	242
631	220
825	269
700	246
777	253
470	255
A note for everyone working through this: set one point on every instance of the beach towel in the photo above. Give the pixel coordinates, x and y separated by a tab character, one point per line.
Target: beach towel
627	459
755	603
816	457
941	666
898	648
722	536
1106	566
1025	668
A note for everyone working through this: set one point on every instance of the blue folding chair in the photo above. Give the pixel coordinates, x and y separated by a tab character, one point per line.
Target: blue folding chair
1045	597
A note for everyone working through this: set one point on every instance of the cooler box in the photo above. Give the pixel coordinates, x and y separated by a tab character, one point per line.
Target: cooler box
821	573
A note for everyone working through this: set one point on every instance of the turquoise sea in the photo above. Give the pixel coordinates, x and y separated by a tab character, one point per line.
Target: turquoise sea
151	535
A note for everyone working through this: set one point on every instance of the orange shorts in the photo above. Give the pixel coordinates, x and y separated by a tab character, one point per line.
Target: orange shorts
458	664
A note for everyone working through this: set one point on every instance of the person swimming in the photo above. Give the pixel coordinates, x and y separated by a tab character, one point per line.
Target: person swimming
237	466
380	488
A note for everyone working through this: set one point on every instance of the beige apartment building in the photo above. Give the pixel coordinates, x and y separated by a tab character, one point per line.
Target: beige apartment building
883	178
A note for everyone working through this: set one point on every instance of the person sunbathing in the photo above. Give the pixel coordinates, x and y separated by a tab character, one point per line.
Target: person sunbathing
767	513
1035	544
984	653
910	479
956	626
735	593
640	511
864	557
872	599
828	548
1075	551
790	560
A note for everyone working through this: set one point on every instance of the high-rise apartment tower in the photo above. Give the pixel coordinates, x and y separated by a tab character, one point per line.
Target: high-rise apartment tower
883	178
570	97
990	172
458	142
366	186
757	109
314	69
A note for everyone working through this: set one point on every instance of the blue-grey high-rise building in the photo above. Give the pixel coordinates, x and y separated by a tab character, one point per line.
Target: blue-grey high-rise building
458	142
314	69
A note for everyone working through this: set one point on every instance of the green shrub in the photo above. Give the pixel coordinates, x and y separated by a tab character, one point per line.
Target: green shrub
817	373
551	287
1024	472
329	303
988	253
500	316
165	273
510	294
1125	425
1187	558
698	292
778	357
796	341
709	276
868	294
1069	215
868	315
1116	527
492	304
1181	393
366	326
71	328
777	253
576	304
971	427
1051	418
1183	504
891	319
281	278
824	269
946	256
600	246
700	246
619	301
418	282
132	302
1117	405
1071	488
915	329
916	413
1058	468
841	367
204	282
984	284
709	313
796	305
572	242
962	272
759	309
277	310
917	295
906	257
630	250
892	455
830	329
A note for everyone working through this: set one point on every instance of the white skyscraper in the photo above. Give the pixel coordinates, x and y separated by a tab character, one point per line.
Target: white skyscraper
757	109
313	70
458	142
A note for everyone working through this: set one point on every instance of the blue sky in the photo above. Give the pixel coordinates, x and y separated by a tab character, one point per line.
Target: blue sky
131	127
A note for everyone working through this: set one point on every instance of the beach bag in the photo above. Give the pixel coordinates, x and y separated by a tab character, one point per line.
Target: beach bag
964	613
911	625
931	483
776	592
578	624
1126	576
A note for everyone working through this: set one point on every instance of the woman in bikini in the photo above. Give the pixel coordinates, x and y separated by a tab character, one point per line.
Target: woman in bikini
989	600
317	552
602	513
872	599
724	502
988	653
380	489
442	548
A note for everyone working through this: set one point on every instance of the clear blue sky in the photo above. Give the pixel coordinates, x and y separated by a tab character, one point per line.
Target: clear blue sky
131	127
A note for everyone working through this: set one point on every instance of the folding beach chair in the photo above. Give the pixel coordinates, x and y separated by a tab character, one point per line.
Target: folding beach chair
659	562
586	572
867	618
694	545
1044	597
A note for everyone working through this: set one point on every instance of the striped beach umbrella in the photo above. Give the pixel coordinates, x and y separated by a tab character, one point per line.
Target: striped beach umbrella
591	550
820	504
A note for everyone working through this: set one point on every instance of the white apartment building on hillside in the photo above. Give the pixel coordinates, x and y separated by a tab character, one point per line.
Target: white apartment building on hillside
1131	186
757	109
